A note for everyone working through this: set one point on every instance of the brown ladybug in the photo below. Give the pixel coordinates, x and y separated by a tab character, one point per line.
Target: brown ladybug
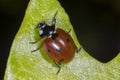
58	44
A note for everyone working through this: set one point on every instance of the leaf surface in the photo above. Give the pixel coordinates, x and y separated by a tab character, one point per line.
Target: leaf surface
24	65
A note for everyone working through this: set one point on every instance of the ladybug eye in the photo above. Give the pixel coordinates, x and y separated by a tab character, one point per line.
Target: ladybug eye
49	50
68	40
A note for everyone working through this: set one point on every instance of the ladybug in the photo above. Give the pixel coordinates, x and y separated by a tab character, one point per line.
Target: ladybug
58	44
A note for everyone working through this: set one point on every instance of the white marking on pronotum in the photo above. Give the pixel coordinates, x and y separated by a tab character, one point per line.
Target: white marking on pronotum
51	32
42	26
41	32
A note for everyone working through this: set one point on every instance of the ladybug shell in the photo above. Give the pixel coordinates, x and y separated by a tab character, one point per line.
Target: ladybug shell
61	49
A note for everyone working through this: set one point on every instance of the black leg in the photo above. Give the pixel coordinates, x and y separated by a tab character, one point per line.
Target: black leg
77	49
37	48
58	65
69	31
35	41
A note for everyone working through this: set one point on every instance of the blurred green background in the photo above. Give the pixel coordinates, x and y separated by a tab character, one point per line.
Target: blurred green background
96	23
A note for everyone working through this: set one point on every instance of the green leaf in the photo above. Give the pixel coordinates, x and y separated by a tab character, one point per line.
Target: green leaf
24	65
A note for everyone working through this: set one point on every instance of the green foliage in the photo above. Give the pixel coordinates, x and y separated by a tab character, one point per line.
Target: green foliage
24	65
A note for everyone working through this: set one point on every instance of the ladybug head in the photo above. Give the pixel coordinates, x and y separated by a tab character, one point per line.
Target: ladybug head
45	30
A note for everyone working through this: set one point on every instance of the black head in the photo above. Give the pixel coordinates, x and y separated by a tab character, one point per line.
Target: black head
46	30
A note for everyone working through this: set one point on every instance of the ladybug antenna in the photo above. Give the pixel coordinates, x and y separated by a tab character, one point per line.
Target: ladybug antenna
54	19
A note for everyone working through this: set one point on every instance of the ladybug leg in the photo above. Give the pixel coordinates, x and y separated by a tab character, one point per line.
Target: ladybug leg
35	41
37	48
58	65
77	49
69	31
